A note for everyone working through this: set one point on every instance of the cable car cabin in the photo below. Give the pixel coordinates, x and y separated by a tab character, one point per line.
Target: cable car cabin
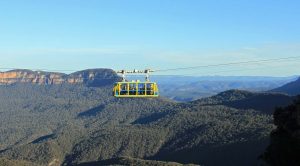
135	89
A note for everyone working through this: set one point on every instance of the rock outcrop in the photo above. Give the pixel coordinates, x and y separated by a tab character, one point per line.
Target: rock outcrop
91	77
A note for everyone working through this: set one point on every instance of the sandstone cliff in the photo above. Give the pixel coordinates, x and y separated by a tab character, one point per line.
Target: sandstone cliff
92	77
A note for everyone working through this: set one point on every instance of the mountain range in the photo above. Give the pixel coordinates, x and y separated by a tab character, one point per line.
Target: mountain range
188	88
64	122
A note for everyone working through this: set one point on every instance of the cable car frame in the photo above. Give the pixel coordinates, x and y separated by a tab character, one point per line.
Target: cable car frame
135	88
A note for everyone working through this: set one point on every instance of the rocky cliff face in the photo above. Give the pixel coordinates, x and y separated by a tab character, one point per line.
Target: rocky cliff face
91	77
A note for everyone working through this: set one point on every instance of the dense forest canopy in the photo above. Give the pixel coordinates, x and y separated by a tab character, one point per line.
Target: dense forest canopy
70	124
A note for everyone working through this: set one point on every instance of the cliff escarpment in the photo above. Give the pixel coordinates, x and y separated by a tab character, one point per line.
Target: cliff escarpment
91	77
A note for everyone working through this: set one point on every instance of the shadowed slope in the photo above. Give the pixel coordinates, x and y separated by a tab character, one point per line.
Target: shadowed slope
292	88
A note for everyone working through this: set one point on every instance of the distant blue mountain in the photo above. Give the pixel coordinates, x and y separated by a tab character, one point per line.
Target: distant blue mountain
292	88
188	88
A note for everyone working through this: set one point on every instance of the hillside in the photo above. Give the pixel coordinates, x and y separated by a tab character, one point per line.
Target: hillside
132	161
292	88
7	162
73	124
265	102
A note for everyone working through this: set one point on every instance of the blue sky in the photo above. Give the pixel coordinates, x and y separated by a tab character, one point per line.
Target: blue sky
80	34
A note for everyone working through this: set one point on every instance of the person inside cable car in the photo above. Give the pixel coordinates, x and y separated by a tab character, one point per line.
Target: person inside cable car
123	90
141	89
148	89
132	89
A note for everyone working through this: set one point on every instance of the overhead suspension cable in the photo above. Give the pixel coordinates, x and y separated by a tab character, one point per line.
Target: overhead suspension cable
173	69
228	64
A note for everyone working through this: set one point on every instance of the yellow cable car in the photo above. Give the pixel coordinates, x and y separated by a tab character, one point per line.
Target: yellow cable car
135	88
